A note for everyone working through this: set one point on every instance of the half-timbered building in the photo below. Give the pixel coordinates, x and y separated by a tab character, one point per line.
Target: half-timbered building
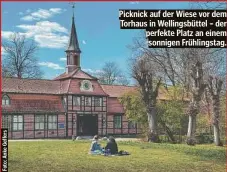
72	104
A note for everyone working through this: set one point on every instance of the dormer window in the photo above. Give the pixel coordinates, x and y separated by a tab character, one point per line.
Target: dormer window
5	100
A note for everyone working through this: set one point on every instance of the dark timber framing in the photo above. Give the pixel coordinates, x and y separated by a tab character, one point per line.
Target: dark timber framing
95	107
71	107
30	126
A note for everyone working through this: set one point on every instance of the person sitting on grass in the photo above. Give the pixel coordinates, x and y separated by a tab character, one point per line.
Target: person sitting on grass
112	146
95	146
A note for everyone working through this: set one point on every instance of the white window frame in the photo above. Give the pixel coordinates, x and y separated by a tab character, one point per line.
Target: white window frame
6	122
87	101
18	122
70	99
99	104
39	122
5	100
76	101
52	122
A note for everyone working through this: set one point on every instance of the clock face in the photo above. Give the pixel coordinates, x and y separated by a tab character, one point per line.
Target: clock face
86	85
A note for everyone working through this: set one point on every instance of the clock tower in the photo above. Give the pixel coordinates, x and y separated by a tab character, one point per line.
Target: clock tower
73	50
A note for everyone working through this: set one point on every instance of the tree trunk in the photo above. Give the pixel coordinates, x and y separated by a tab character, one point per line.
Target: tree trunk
193	112
152	121
216	110
191	129
168	131
217	139
198	88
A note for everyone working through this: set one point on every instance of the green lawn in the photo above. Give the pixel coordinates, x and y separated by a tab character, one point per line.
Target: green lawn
69	156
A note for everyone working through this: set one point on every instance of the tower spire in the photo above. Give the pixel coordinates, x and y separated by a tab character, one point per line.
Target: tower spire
73	44
73	49
73	6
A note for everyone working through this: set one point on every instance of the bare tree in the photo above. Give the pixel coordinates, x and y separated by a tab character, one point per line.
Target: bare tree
20	60
175	63
215	87
177	67
172	63
162	57
5	72
122	80
143	71
111	74
198	88
209	5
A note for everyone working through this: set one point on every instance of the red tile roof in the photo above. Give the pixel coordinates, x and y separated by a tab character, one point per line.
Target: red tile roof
114	106
34	103
40	86
30	91
117	90
78	74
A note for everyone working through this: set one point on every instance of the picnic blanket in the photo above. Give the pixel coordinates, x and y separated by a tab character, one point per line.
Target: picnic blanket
98	152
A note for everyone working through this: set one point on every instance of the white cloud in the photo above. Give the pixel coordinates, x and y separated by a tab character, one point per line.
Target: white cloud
42	14
56	10
51	65
51	40
3	51
47	34
84	42
135	2
20	13
93	72
27	18
63	59
6	34
43	27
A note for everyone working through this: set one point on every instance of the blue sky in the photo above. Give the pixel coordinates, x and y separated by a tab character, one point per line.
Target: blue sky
98	29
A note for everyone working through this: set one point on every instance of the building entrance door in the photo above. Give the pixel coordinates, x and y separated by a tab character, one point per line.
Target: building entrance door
87	125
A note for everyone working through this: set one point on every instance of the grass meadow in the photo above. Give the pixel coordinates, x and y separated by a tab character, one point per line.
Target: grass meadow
69	156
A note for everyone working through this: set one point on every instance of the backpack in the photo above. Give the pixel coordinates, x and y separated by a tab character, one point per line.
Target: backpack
121	153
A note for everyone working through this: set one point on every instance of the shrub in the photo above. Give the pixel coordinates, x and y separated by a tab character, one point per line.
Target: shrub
203	138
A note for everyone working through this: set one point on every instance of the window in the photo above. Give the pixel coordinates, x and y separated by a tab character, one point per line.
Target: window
69	100
39	122
5	100
131	125
64	102
76	101
98	101
6	122
117	121
52	122
87	101
17	122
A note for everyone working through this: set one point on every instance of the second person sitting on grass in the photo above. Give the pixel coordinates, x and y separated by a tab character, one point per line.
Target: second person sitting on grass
112	146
